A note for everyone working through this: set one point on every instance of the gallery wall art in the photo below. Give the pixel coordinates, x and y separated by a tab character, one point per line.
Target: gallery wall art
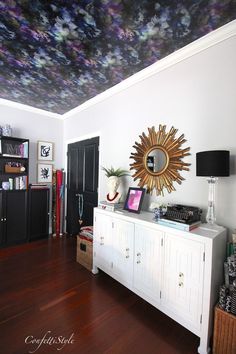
57	54
45	151
44	173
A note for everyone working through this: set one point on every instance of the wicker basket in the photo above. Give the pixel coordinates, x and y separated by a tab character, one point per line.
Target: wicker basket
85	253
224	340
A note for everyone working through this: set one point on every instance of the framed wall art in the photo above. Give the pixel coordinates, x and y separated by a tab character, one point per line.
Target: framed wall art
134	199
44	173
45	150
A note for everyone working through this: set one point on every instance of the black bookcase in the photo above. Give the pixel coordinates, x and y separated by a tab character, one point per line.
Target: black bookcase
14	162
14	169
24	212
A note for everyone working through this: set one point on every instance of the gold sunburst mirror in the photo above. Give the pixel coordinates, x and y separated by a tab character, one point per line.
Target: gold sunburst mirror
158	159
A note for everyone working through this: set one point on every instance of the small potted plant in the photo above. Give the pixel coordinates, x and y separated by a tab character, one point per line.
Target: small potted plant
113	183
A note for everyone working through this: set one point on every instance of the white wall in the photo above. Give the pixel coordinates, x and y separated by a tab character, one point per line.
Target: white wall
34	126
197	96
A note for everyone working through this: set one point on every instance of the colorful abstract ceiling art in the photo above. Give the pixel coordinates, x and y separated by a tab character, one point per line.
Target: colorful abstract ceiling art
55	55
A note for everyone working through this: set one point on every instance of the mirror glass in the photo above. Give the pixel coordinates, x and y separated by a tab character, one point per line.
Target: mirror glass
156	160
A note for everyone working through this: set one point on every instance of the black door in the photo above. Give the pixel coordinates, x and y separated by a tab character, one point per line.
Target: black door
82	184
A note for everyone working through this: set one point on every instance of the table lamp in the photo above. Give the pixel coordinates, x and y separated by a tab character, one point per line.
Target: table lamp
212	164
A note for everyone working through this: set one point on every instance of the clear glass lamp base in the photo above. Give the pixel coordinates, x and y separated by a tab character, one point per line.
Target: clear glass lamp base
211	214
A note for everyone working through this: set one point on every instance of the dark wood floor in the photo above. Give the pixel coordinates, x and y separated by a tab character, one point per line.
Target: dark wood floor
43	289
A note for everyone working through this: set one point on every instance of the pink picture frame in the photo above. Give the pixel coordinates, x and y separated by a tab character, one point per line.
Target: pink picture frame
134	199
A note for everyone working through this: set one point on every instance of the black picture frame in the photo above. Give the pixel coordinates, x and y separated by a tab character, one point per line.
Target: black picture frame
134	199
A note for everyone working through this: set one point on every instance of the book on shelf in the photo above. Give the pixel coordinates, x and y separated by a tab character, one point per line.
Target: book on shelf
230	249
109	206
38	186
179	225
12	155
25	149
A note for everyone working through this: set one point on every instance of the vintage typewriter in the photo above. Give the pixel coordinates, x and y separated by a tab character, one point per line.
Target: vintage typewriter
183	213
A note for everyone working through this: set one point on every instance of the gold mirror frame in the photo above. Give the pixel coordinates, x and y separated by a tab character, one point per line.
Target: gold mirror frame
171	146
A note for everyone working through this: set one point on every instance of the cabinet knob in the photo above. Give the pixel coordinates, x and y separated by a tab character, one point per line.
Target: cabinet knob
5	219
181	284
127	253
138	258
181	274
2	219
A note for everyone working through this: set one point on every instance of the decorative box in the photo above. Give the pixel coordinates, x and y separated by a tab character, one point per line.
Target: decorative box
11	169
224	340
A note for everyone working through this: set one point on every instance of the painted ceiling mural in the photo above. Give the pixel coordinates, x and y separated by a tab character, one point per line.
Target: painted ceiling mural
57	54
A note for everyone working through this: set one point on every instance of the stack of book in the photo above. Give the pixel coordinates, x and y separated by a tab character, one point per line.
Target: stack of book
19	182
179	225
110	206
21	150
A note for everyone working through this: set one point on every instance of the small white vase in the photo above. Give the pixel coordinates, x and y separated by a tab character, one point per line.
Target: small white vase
113	184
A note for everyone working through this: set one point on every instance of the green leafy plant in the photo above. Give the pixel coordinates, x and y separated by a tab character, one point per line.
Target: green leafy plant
112	172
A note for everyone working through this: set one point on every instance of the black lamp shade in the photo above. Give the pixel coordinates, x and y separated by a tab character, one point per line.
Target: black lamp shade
213	163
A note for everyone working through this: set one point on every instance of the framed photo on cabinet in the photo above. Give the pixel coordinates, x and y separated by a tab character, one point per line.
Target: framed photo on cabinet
134	199
45	150
44	173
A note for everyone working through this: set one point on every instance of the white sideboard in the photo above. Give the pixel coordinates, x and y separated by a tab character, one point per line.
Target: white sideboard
178	272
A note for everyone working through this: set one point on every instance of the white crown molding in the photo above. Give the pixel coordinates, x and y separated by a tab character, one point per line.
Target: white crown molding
201	44
31	109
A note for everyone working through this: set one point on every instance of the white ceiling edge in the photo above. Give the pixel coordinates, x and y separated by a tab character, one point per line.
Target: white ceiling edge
25	107
207	41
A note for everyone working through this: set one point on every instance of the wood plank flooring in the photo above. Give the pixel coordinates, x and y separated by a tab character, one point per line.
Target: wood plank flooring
44	293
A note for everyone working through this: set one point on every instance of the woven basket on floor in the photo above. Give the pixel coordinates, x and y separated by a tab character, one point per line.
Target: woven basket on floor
85	253
224	340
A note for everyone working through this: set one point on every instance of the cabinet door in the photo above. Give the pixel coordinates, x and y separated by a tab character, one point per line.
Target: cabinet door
183	277
38	213
123	248
16	216
2	233
147	261
103	242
